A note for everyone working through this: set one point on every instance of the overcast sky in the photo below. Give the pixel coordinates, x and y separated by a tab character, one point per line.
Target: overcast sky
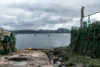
44	14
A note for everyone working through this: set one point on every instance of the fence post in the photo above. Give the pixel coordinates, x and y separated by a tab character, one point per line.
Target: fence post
82	16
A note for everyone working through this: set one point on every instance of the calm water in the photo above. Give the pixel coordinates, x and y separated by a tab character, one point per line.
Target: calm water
42	40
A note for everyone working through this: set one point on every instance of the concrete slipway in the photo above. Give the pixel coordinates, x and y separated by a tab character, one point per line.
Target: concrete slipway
25	58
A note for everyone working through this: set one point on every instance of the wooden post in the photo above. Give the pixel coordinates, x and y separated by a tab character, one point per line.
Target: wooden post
82	16
89	19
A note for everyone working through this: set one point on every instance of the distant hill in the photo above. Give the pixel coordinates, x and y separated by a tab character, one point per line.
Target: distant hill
60	30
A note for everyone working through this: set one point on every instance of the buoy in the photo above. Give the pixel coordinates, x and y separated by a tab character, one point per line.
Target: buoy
29	48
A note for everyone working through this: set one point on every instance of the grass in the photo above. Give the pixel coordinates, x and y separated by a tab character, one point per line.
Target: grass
71	58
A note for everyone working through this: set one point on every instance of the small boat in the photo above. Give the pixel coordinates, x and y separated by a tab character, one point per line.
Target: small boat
48	35
35	34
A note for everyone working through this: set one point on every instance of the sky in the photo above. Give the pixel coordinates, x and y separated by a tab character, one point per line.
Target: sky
44	14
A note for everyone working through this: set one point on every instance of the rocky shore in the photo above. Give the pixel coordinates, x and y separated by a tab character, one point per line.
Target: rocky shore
65	57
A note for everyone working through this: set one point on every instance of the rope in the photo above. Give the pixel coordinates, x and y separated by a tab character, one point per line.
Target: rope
92	14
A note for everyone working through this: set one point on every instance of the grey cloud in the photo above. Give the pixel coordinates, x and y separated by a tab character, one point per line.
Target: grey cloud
44	13
51	8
